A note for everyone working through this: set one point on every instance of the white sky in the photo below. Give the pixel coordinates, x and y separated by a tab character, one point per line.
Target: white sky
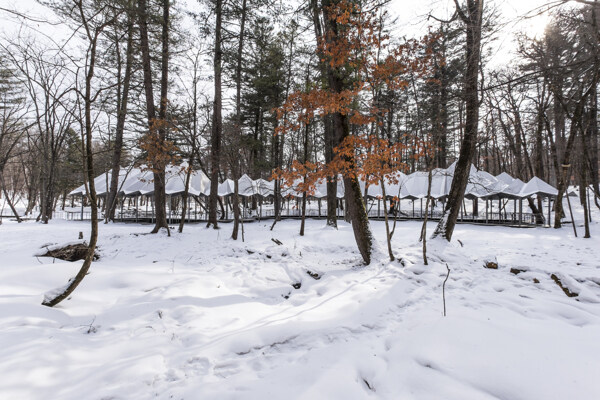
411	17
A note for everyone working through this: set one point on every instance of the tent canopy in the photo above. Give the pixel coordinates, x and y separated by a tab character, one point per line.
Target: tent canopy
481	184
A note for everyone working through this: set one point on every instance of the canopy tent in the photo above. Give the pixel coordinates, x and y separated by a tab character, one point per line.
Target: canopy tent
265	188
226	188
481	184
246	186
504	177
199	182
417	184
101	184
513	190
536	186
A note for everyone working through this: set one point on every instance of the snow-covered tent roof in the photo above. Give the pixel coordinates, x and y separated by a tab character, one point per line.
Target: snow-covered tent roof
246	186
139	182
398	188
176	176
539	187
506	178
374	190
264	188
320	189
417	184
101	184
513	189
226	188
482	184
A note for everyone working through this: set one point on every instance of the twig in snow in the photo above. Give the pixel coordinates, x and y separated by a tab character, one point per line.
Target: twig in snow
277	241
444	289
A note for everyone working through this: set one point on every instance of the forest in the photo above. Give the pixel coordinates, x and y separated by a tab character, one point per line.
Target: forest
303	150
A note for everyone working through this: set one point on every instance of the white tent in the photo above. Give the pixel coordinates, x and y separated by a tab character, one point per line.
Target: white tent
246	186
417	184
101	184
506	178
176	177
264	188
226	188
538	187
398	188
513	189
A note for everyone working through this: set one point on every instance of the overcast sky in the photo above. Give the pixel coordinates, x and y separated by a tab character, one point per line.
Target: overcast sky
411	16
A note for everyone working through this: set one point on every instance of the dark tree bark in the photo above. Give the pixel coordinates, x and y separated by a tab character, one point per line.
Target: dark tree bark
238	122
111	200
327	126
217	122
472	20
160	209
566	161
355	210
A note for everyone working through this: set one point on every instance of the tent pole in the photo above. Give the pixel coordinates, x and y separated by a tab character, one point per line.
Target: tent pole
487	214
82	206
413	204
520	211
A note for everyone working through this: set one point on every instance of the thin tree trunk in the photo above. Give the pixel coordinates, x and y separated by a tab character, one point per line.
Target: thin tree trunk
160	210
424	227
238	122
55	298
111	199
215	151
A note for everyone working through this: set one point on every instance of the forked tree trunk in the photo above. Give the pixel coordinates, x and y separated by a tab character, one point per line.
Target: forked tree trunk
472	20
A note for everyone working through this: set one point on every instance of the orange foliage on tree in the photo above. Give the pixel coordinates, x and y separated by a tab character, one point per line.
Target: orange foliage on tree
356	50
159	152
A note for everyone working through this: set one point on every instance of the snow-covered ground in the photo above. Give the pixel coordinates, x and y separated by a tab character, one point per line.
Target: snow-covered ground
199	316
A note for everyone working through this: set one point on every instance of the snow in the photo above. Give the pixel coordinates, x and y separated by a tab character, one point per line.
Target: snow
199	316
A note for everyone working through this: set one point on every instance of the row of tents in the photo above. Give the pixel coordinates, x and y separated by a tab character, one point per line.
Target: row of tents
139	182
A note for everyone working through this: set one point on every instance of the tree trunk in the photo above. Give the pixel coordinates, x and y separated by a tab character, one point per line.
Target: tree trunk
111	200
160	210
238	122
472	21
217	128
55	298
